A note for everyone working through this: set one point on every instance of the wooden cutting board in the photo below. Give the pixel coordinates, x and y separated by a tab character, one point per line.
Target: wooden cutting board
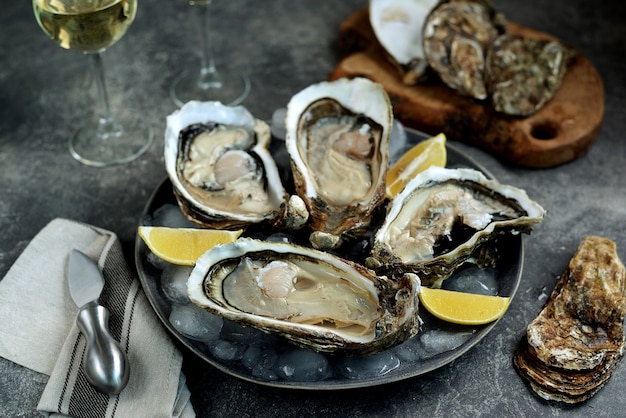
561	131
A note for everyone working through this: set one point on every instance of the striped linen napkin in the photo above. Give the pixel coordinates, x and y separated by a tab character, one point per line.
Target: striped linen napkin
38	329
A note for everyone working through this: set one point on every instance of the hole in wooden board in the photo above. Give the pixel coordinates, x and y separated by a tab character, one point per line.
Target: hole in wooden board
544	130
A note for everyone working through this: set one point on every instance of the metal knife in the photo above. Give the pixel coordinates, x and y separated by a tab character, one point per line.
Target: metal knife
105	364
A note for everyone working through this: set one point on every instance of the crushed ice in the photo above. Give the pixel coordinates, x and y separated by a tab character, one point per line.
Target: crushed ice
302	365
430	343
271	358
366	367
174	283
473	279
195	323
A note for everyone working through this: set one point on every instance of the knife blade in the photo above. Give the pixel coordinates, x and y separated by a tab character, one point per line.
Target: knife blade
105	363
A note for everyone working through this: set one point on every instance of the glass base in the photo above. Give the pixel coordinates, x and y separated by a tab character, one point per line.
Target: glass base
233	90
92	147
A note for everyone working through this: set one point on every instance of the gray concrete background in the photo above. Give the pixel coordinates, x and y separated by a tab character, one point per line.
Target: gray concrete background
284	46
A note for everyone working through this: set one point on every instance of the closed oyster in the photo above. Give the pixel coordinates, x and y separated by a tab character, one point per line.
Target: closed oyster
443	218
337	135
314	299
523	74
398	26
223	175
456	37
572	348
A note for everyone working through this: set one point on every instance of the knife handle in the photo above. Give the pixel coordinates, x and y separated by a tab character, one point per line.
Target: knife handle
105	363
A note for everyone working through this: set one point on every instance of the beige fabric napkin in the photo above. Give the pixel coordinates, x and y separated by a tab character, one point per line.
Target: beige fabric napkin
38	330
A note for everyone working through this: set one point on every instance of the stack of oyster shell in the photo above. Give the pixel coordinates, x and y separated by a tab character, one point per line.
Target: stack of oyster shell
337	137
467	45
572	348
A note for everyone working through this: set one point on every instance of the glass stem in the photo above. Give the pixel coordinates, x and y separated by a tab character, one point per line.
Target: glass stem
107	126
209	76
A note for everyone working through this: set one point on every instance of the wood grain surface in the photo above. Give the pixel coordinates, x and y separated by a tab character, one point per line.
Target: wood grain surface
560	132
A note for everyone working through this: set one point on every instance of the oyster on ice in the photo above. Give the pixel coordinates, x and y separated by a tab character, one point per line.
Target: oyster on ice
222	172
398	25
337	136
314	299
443	218
573	346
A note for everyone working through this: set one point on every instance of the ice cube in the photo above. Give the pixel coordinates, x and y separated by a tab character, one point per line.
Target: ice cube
302	365
397	141
436	341
195	323
227	350
171	216
259	355
277	126
366	367
174	283
473	279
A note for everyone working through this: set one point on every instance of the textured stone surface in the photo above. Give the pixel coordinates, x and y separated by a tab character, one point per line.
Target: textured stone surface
284	46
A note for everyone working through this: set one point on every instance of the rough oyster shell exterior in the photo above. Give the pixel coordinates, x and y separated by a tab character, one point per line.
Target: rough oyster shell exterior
222	275
444	218
456	36
573	346
523	74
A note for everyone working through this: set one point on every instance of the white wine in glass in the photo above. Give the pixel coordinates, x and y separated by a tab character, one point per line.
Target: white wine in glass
91	26
207	83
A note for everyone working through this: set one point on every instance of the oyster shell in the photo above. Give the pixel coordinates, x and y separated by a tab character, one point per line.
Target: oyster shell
456	37
523	74
398	26
312	298
337	135
443	218
223	175
571	349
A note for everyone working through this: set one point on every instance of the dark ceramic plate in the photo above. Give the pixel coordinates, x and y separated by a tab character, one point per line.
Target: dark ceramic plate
413	358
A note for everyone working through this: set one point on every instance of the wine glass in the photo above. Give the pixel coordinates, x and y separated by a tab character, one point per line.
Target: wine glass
207	83
91	26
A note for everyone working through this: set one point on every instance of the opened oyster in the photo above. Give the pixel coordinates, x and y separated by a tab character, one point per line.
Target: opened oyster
222	172
312	298
337	139
572	348
398	25
442	219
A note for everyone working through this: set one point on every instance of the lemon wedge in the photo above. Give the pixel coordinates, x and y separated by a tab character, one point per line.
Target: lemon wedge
463	308
430	152
183	246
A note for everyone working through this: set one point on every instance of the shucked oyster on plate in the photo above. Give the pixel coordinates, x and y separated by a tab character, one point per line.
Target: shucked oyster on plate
310	297
337	136
443	218
223	175
573	346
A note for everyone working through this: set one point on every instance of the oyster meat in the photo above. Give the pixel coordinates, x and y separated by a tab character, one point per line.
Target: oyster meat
443	218
222	172
314	299
398	25
572	348
337	136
